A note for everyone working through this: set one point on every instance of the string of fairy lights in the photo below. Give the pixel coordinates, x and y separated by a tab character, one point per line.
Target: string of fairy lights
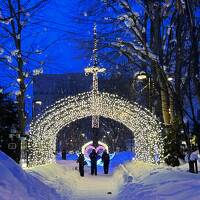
144	125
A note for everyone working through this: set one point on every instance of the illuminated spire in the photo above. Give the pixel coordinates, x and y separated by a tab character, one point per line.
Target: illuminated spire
95	58
94	70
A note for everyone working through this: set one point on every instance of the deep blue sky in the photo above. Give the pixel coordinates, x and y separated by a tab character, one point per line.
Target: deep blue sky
65	55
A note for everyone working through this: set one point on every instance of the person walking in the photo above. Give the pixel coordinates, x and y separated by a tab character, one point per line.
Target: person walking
188	160
194	158
106	161
64	154
93	157
191	158
81	162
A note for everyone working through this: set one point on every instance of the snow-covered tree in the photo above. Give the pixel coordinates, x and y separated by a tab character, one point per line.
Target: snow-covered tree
19	51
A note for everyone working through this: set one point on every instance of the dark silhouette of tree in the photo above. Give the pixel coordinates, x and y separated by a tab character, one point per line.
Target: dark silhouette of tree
19	54
8	123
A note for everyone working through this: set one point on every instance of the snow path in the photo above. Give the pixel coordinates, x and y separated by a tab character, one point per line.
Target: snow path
65	179
96	188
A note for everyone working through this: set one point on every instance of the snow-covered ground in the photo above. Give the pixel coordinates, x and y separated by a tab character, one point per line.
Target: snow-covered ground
62	181
64	177
16	184
160	183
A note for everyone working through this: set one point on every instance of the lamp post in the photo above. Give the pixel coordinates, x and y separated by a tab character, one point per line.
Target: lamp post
14	144
142	75
36	107
24	150
13	131
187	132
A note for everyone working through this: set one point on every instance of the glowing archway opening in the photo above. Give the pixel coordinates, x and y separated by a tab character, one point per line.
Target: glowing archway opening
145	126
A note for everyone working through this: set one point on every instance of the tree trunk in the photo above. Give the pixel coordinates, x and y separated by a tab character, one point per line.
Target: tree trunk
165	107
179	64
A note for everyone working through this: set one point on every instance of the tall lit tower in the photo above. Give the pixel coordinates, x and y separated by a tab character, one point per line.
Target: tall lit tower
94	69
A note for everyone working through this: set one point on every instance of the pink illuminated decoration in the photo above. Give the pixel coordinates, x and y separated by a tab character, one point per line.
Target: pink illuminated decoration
100	149
88	150
88	147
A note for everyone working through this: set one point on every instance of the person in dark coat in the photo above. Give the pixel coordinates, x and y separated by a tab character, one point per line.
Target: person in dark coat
93	157
81	162
63	154
106	161
194	158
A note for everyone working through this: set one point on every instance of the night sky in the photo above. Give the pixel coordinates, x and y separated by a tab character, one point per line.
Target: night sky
61	26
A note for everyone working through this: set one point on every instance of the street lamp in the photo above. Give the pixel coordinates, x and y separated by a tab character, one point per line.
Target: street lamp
83	135
170	78
187	131
38	102
142	75
24	151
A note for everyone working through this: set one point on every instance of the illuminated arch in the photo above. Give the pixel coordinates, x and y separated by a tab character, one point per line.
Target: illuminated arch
145	126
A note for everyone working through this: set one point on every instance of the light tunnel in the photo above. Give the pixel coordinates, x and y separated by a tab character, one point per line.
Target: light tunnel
44	128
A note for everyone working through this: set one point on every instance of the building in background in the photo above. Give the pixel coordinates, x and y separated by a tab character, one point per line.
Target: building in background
48	88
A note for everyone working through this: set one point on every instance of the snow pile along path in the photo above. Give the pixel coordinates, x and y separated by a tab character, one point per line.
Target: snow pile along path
152	182
16	184
65	179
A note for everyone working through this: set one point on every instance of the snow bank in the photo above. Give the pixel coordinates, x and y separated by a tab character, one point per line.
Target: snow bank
139	169
62	176
16	184
160	182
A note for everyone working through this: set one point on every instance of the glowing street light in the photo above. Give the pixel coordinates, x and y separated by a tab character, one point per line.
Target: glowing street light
142	75
18	80
38	102
83	135
170	78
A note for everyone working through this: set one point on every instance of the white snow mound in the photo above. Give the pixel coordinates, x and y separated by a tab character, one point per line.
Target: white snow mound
16	184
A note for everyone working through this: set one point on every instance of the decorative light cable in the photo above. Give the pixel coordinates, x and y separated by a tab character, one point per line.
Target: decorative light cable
144	125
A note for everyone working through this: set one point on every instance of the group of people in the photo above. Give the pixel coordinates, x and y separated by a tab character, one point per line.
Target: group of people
94	157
